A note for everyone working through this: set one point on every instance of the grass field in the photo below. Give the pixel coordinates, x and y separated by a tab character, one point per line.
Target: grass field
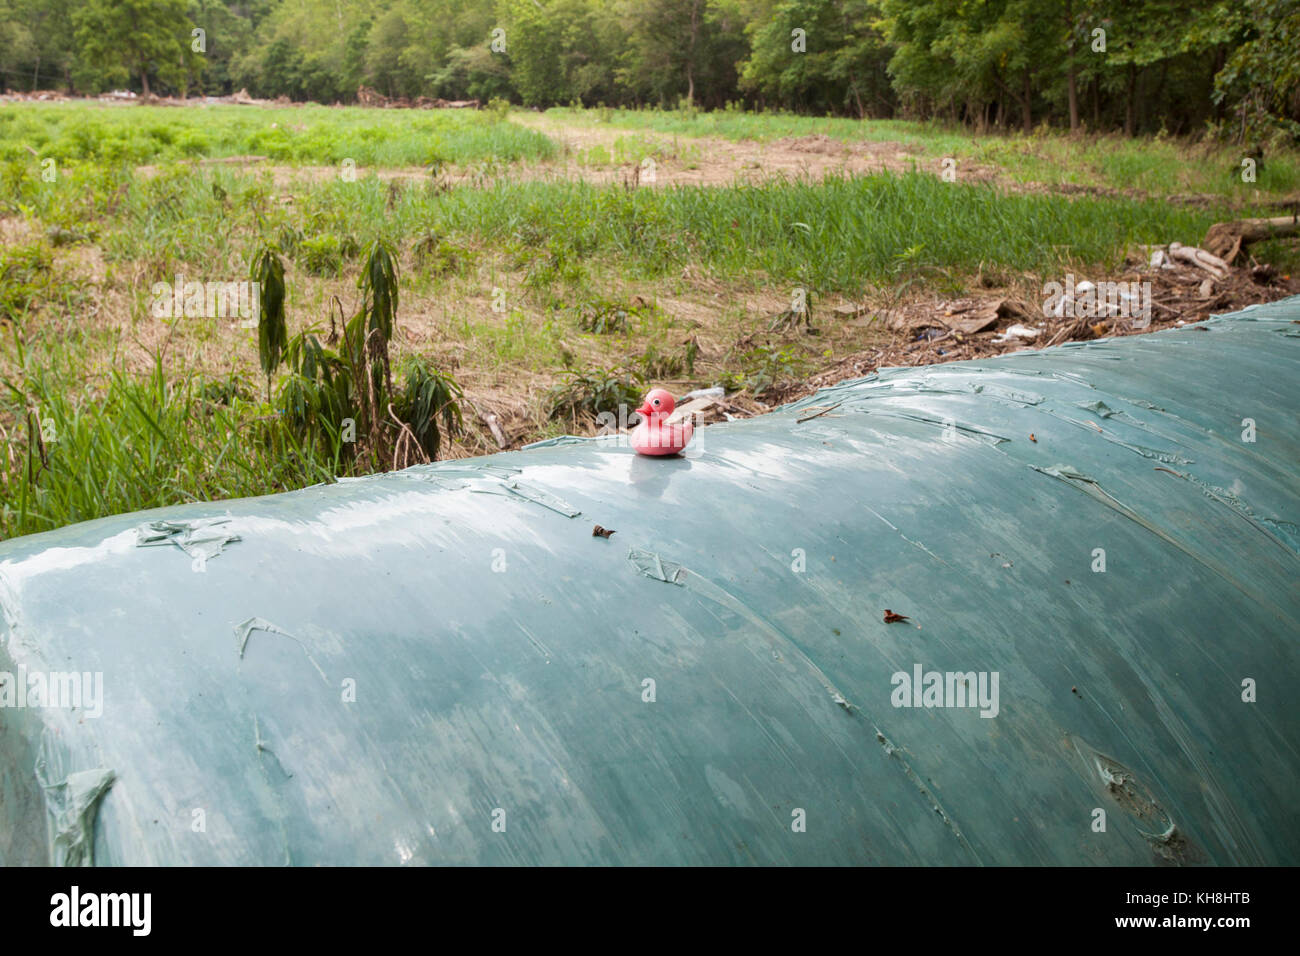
114	134
531	269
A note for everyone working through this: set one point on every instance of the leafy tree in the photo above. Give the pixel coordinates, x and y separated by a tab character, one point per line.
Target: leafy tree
964	59
17	44
843	65
473	73
282	73
1140	34
318	33
36	42
228	27
1263	74
354	56
1166	64
388	40
681	48
561	51
133	37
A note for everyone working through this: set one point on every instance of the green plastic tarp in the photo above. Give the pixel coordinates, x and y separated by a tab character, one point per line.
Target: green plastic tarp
1094	547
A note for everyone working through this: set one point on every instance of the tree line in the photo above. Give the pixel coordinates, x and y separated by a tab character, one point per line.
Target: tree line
1180	66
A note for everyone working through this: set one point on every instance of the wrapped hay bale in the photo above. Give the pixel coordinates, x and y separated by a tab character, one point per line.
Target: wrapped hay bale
1088	556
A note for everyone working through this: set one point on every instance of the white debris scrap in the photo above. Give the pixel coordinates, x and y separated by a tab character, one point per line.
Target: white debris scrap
704	393
1017	331
1175	254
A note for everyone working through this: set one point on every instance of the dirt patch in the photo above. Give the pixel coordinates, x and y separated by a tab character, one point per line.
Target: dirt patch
601	155
678	160
606	156
720	164
712	161
14	231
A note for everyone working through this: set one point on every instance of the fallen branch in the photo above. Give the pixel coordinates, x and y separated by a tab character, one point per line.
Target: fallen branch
1226	239
493	424
808	418
1200	258
407	449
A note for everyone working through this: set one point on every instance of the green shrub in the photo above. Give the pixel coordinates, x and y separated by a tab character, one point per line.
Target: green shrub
321	256
25	276
585	394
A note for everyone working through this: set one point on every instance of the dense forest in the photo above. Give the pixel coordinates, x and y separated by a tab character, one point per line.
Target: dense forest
1231	67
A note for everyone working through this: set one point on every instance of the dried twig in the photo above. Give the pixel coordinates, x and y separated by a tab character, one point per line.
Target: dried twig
808	418
406	441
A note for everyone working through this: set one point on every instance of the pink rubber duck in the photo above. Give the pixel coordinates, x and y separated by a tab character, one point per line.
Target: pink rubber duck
655	435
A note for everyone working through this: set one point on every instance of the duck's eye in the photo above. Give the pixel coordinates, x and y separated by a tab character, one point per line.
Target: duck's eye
655	402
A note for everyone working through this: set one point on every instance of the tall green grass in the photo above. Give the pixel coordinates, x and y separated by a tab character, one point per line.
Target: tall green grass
838	234
115	134
133	443
835	235
735	124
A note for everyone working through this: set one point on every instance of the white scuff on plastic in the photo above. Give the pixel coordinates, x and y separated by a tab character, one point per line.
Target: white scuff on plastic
9	614
72	805
200	538
244	629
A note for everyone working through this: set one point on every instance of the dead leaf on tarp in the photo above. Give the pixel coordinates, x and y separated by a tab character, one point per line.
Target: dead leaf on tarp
892	618
599	532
